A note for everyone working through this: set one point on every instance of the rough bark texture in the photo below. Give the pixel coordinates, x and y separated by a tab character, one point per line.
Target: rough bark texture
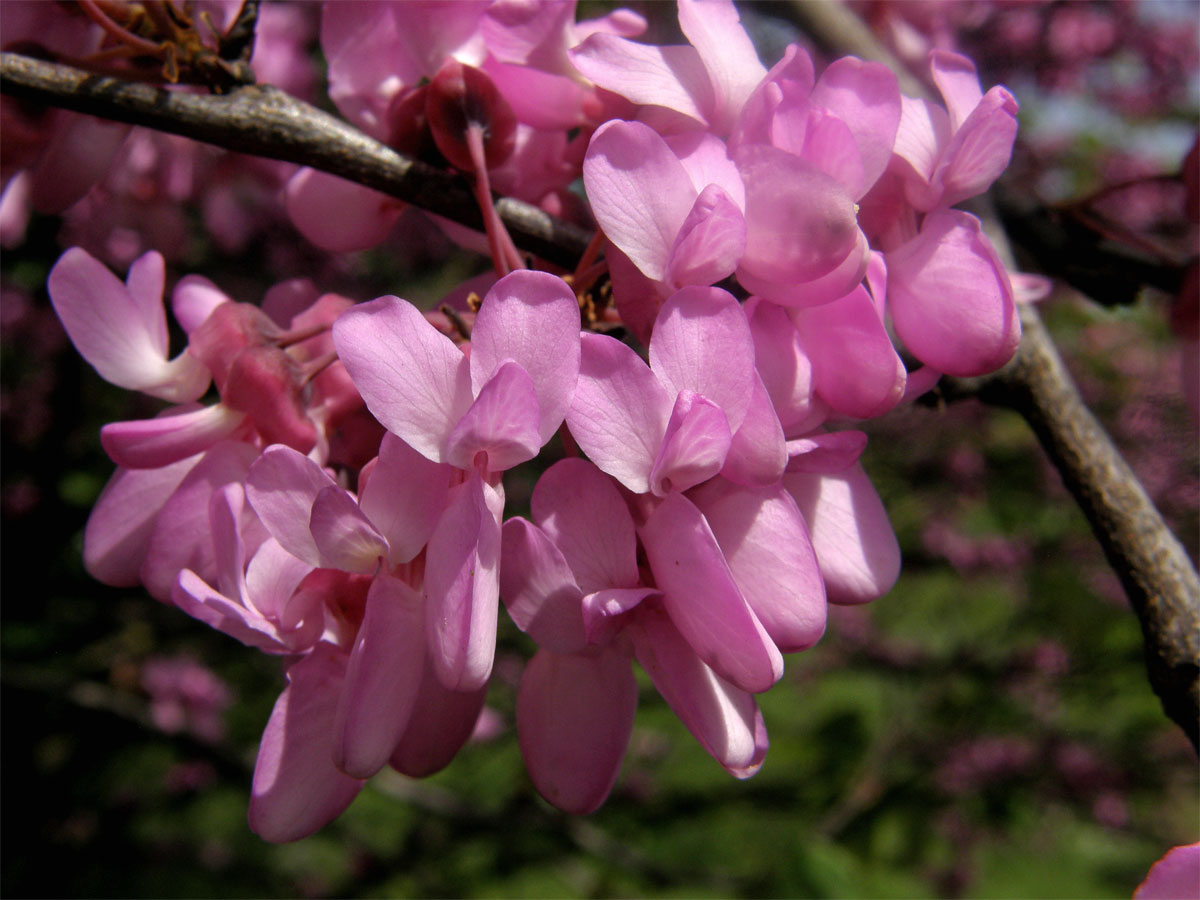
266	121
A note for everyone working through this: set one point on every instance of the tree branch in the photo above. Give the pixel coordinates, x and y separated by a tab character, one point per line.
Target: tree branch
1153	566
1150	561
265	121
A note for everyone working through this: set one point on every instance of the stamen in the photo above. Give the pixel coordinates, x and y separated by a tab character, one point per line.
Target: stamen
288	338
456	320
505	256
314	367
117	31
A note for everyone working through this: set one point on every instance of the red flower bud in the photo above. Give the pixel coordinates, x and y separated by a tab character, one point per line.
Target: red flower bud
461	99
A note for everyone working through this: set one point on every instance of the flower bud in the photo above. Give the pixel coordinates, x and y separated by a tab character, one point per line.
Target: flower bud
461	98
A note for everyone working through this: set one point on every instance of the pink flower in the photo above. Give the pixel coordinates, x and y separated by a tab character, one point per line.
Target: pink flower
481	415
572	582
945	158
704	84
1174	877
276	384
686	224
950	297
121	329
486	413
698	409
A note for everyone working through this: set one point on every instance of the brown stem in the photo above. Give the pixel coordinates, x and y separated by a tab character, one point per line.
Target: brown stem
1153	566
265	121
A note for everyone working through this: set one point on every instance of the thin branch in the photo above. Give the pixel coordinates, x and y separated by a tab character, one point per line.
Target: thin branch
1153	566
264	121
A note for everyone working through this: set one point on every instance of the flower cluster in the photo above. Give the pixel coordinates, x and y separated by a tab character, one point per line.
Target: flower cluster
339	502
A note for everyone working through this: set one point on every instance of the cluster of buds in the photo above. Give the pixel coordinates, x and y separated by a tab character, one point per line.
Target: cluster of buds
341	504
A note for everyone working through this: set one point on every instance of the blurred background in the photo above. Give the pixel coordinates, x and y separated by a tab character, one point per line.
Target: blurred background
984	730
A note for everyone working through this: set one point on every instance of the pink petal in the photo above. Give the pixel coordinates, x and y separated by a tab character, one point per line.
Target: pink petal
15	209
540	99
671	77
830	146
825	452
758	452
787	86
624	22
619	412
639	191
702	598
182	537
382	679
581	510
800	223
440	723
829	287
404	497
297	302
192	595
345	537
379	50
923	133
715	30
723	718
866	96
297	790
920	381
121	330
950	297
79	154
462	586
413	379
500	430
694	446
538	589
853	539
1174	877
360	42
1030	288
225	509
958	82
637	297
118	529
765	541
710	242
145	282
574	717
272	577
849	328
702	343
782	364
981	149
706	160
532	34
194	299
178	433
338	215
282	486
604	612
532	319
